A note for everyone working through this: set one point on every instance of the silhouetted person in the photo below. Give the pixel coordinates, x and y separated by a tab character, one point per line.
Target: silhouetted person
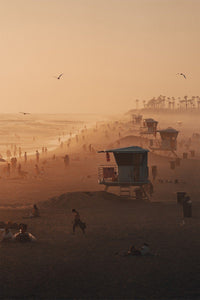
37	154
66	160
144	250
13	162
77	221
37	170
8	169
19	169
35	212
8	154
25	157
23	236
20	152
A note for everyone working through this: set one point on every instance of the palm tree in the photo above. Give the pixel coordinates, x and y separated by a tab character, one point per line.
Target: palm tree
137	101
186	101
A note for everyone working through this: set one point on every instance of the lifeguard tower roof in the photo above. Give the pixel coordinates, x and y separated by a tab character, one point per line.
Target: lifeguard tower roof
132	149
150	120
168	130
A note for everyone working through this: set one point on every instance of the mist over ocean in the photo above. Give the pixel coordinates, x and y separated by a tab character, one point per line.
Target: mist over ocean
31	132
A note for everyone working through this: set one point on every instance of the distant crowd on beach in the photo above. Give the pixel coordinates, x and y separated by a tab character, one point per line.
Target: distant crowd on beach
17	160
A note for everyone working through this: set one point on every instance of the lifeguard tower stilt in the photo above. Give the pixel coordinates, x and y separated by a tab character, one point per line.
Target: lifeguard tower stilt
131	170
168	141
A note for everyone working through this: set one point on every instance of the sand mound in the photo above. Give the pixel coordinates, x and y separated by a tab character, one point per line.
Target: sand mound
128	140
79	200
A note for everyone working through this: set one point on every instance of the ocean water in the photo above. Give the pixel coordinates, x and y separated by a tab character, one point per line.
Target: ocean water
34	131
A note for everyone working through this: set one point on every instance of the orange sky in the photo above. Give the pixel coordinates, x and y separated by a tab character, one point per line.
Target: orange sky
110	51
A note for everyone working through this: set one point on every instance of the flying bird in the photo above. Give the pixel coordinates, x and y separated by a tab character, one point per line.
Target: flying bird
24	113
58	77
182	75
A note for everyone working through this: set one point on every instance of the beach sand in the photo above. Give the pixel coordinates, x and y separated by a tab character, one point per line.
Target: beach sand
66	266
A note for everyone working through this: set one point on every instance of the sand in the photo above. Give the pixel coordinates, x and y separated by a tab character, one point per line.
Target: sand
66	266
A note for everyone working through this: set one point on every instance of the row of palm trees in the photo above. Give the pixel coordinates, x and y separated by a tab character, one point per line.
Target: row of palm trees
171	103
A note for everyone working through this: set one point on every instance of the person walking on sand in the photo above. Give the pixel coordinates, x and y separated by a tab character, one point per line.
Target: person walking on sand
19	169
66	160
37	171
77	221
20	152
8	170
37	154
25	157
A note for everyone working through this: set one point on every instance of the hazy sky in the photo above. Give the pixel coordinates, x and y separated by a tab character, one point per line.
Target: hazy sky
110	51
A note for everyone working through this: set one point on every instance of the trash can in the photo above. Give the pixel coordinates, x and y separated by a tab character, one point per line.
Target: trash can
154	172
187	207
180	197
178	161
172	164
185	155
192	153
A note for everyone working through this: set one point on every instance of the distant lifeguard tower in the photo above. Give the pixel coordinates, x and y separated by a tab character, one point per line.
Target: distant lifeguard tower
131	170
149	127
168	140
136	119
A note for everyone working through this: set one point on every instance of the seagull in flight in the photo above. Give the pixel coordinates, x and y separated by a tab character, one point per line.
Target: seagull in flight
24	113
58	77
182	75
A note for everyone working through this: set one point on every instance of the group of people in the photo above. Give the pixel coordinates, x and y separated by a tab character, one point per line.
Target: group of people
22	235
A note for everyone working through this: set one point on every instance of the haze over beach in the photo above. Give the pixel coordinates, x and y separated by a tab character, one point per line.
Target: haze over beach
111	52
100	149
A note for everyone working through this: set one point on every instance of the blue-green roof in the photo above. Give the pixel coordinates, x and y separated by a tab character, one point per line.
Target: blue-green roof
132	149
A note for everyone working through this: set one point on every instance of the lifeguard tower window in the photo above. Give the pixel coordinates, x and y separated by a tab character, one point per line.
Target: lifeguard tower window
129	159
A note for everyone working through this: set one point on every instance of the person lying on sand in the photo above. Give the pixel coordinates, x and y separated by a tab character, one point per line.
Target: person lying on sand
133	251
23	236
77	221
144	250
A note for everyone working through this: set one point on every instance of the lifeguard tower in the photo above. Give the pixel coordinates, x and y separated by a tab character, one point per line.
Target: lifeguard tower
130	170
132	118
137	119
149	127
168	140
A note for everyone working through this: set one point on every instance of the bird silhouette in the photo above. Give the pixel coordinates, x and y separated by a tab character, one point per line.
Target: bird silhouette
58	77
182	75
24	113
